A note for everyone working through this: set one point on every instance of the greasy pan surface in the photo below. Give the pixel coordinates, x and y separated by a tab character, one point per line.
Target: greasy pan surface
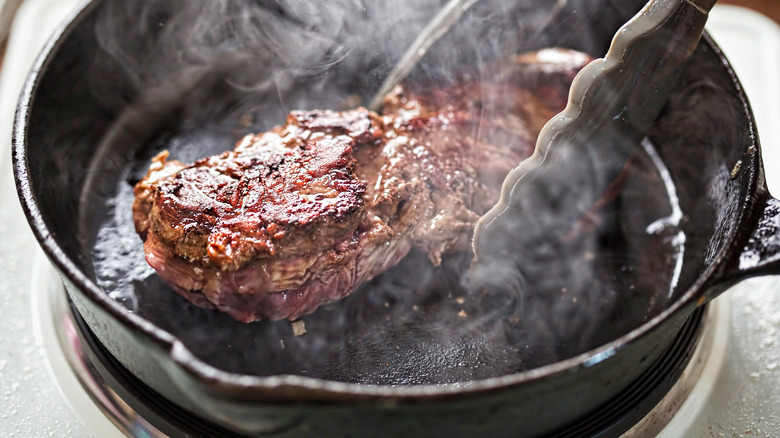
261	378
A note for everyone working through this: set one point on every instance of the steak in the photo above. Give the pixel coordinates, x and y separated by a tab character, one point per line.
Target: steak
302	215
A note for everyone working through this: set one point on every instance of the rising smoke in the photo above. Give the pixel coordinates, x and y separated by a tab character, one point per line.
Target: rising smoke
206	73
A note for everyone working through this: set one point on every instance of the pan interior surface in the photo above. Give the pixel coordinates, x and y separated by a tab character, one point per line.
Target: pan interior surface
414	324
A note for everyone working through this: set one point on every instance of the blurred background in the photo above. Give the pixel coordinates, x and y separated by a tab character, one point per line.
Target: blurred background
770	8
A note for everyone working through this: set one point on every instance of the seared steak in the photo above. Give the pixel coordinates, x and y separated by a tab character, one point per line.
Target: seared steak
303	214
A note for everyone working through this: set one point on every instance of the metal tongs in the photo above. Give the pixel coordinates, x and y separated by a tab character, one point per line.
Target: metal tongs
613	103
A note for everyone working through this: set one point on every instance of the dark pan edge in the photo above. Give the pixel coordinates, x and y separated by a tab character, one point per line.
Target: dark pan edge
233	383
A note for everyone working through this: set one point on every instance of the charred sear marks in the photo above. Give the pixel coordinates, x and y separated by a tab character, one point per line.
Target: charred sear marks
287	191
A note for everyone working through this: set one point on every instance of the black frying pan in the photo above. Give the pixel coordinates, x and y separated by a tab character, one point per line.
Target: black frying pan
357	371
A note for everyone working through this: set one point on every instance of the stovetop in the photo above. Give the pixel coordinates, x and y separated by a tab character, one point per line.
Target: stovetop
738	393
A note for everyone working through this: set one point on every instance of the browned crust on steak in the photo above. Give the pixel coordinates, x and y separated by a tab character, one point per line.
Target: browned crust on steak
289	191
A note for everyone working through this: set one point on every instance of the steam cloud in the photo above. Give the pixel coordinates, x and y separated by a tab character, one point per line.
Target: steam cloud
205	73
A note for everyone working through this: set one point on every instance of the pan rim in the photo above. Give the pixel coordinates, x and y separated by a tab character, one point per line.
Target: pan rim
233	384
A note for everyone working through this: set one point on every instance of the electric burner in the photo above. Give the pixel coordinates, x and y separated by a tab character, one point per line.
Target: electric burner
147	414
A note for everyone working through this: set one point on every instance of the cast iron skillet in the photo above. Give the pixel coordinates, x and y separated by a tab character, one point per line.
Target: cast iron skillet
705	136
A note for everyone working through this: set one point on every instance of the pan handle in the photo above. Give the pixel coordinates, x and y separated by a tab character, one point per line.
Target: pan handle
759	256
